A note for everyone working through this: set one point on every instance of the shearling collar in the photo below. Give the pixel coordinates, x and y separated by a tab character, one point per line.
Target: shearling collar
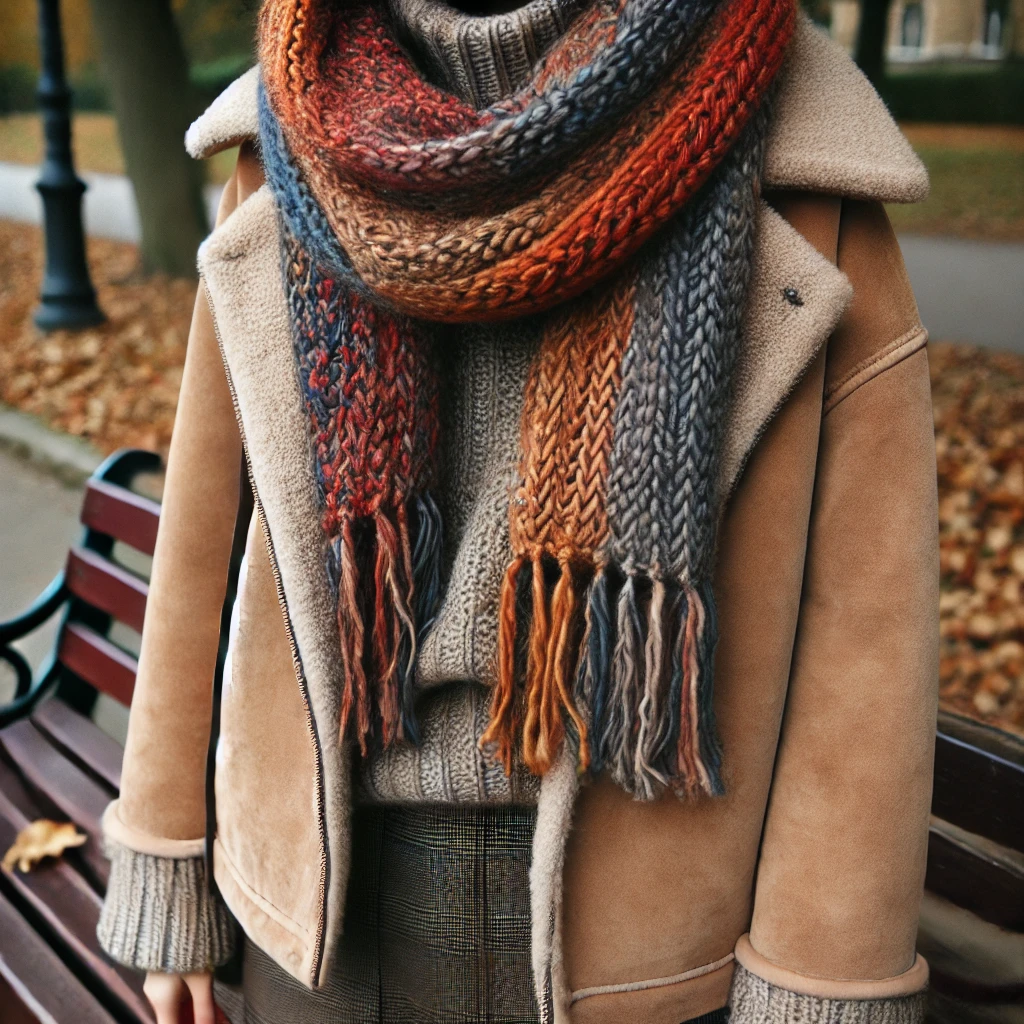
831	132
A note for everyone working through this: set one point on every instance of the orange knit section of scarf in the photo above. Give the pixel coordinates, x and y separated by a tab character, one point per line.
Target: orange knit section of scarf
558	514
577	227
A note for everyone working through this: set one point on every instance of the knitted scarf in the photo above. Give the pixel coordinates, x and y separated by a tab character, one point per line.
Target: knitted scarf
615	193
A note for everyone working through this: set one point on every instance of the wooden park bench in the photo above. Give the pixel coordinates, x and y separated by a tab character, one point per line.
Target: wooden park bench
56	763
975	863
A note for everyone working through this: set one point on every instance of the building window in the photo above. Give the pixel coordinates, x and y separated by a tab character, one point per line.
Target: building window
993	27
912	34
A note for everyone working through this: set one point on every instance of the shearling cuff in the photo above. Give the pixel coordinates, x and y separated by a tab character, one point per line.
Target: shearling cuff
756	1001
160	916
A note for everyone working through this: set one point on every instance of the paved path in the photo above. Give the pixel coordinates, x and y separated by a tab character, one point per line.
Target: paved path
967	291
38	523
109	201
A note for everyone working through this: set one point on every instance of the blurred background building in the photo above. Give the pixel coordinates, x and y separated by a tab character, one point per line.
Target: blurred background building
939	30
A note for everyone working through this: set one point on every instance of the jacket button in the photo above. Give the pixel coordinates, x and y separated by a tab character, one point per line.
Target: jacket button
792	296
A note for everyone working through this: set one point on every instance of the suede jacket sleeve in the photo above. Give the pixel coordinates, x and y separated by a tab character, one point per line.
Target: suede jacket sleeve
158	914
843	856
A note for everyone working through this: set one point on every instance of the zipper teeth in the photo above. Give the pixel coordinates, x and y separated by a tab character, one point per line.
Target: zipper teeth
300	674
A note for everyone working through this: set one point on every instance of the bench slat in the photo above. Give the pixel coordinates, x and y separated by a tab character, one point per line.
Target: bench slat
81	741
68	911
60	788
977	785
119	513
987	886
35	987
98	661
105	585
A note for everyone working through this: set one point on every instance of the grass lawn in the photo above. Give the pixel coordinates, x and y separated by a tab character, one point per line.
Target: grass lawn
95	141
977	171
977	174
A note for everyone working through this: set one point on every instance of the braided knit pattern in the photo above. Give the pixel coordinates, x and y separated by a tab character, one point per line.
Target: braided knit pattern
535	245
675	374
370	394
403	206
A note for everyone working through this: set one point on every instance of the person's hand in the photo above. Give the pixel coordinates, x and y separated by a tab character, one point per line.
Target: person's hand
167	994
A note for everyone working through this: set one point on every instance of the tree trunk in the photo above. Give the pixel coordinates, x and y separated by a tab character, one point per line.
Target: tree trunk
871	37
147	69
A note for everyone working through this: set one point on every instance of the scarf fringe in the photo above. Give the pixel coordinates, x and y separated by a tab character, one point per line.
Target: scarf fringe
636	699
392	590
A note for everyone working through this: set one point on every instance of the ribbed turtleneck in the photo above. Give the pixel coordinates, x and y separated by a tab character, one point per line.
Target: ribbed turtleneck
482	58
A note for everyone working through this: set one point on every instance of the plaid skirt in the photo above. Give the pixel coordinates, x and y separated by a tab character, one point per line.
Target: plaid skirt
437	926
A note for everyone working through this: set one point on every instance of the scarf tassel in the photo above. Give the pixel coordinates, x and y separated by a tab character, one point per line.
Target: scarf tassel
392	591
638	700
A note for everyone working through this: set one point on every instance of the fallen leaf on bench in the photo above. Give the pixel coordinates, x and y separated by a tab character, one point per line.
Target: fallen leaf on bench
43	838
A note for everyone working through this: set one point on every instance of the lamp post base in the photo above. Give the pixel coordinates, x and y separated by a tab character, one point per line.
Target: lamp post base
67	313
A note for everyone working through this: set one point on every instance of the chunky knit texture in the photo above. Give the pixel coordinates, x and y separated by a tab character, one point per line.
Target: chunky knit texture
756	1001
159	914
403	205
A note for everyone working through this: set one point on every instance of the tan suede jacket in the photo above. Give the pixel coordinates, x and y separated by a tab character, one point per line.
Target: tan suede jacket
799	889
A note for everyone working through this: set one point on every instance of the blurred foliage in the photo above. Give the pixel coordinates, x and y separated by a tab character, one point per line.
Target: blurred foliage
989	93
96	143
218	30
218	36
19	42
819	10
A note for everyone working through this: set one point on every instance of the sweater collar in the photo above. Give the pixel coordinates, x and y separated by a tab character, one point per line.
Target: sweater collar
481	58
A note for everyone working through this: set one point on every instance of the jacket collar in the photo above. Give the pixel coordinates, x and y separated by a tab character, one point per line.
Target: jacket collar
831	132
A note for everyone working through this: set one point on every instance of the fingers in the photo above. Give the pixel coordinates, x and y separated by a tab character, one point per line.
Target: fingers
164	992
200	987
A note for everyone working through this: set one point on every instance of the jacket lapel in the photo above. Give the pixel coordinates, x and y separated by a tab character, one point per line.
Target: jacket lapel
795	301
240	264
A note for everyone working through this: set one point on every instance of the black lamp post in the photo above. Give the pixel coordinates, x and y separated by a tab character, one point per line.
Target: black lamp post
67	298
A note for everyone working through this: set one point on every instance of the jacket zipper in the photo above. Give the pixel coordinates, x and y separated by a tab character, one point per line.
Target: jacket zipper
300	674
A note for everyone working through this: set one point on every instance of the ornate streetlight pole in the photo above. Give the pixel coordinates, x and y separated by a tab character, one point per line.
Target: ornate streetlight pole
67	298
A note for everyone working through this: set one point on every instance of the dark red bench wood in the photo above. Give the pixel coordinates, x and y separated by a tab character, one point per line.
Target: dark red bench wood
977	839
58	899
81	742
132	518
36	986
56	763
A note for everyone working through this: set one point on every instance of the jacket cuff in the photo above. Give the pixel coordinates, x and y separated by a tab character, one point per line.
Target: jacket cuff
765	993
159	914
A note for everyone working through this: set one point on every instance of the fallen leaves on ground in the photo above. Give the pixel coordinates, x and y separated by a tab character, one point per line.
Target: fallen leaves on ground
117	385
43	838
979	427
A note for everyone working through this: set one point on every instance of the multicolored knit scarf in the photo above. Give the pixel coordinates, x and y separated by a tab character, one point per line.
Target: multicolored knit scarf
615	192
